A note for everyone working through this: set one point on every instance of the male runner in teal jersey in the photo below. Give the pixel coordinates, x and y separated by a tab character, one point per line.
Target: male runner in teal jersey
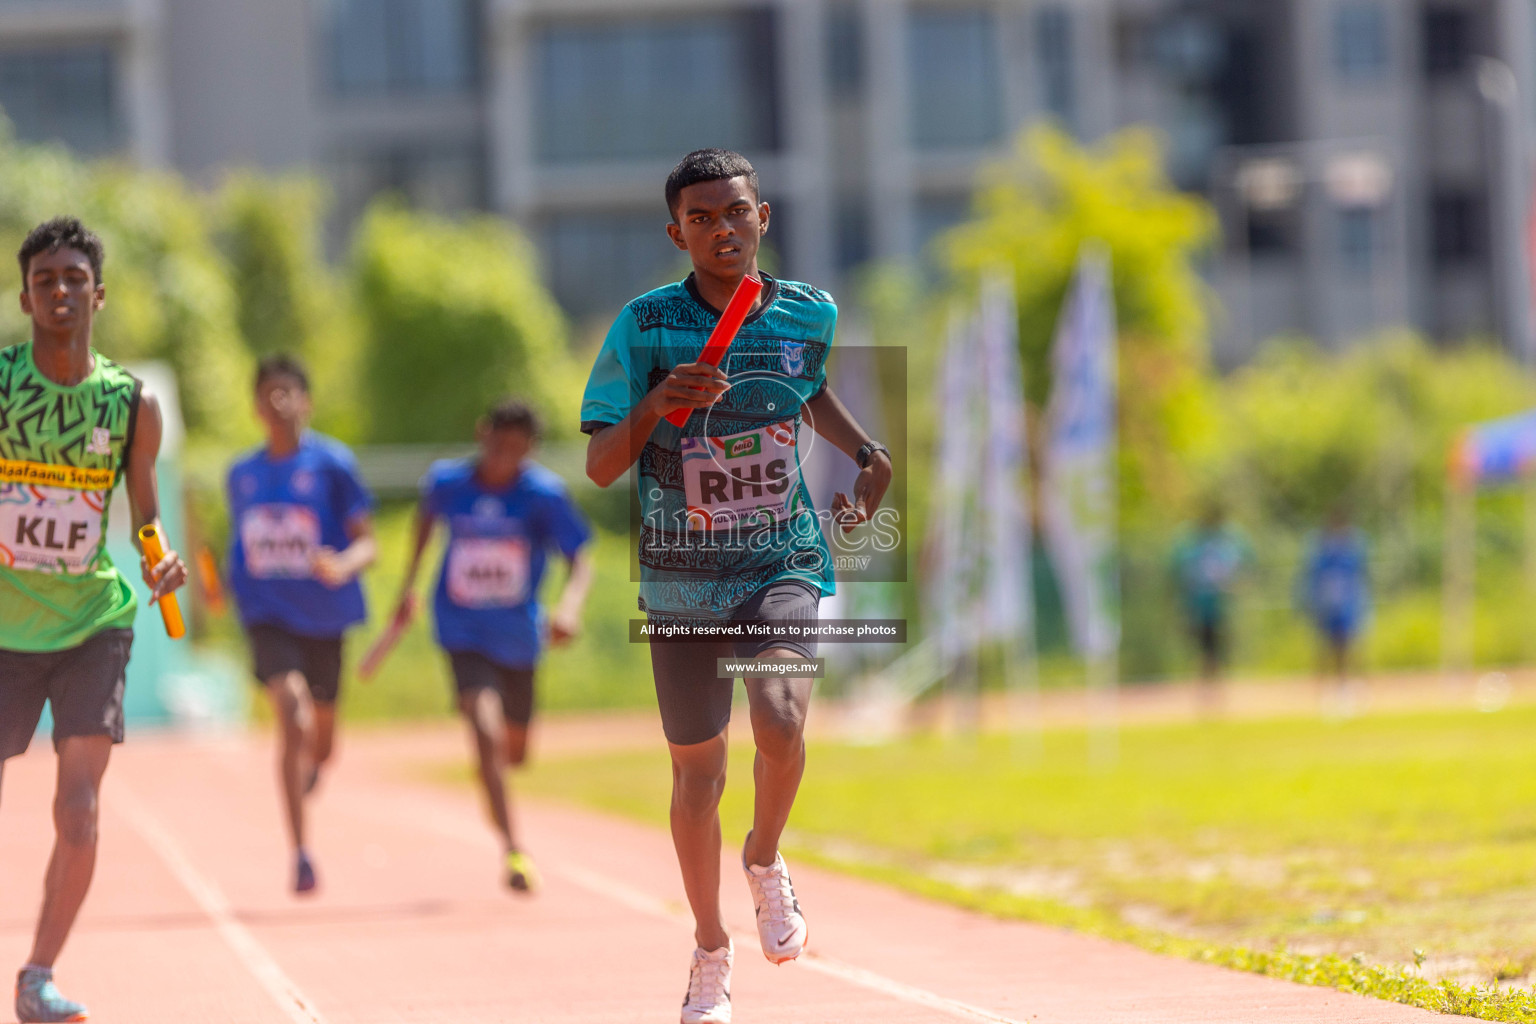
728	533
72	423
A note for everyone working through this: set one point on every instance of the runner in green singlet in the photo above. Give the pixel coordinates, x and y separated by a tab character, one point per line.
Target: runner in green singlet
72	423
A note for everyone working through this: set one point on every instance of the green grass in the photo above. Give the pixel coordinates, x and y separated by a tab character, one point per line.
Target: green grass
601	669
1390	855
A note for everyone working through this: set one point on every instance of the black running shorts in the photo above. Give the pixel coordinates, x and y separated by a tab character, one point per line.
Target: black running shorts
84	686
474	671
695	704
277	651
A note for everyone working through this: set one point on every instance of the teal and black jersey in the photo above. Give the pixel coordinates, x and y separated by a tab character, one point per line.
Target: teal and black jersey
724	510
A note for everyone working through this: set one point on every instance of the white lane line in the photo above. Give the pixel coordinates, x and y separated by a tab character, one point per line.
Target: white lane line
899	990
644	903
634	899
289	997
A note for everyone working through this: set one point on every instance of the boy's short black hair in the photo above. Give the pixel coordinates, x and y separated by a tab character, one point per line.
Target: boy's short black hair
709	165
281	364
513	414
61	233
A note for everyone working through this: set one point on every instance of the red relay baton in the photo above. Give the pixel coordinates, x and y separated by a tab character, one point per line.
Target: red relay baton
724	333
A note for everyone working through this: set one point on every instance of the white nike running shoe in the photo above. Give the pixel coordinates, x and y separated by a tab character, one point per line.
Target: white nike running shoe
709	986
780	926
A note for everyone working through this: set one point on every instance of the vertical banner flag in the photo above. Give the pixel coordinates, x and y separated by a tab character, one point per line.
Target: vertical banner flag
951	600
1080	499
1008	590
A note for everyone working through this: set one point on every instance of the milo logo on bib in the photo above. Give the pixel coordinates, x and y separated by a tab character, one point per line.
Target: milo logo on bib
752	444
742	480
50	529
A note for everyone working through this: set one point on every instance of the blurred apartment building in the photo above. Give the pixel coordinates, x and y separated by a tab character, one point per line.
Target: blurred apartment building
1368	158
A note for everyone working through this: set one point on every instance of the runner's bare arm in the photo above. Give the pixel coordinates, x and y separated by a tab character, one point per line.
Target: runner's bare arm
144	496
334	568
565	617
612	450
405	605
832	420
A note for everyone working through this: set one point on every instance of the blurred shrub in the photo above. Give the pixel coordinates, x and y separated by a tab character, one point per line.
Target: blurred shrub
455	316
288	298
1304	430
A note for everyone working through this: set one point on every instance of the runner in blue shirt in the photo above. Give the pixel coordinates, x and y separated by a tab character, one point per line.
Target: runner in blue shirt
302	532
728	534
504	514
1335	590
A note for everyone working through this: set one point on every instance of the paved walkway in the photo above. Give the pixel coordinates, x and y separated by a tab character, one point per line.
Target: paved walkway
190	919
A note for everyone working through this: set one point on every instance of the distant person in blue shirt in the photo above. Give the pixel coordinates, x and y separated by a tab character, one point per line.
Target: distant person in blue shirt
1335	591
505	515
1207	565
303	531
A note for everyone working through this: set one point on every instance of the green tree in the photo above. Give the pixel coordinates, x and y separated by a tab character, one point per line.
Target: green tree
288	298
455	316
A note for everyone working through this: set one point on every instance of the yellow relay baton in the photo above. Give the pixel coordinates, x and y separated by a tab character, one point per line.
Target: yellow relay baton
170	611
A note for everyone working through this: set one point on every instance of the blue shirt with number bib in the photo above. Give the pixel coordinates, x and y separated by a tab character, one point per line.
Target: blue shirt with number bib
498	543
724	508
282	511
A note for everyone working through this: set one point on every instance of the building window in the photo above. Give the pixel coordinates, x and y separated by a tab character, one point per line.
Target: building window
596	262
852	233
1270	232
62	95
1360	41
1447	41
656	87
935	215
955	78
390	47
1195	132
845	49
1457	228
1053	58
443	178
1357	237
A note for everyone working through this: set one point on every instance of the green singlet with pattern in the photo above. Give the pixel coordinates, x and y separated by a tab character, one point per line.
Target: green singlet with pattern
62	450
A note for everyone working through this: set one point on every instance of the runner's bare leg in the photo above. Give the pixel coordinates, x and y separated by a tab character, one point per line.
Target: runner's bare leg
482	711
295	712
698	780
82	762
779	707
325	733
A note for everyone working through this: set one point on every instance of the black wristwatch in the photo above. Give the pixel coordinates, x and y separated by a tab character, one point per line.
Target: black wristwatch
866	450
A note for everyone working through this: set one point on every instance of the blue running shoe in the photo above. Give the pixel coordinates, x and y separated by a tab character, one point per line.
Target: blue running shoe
39	1002
304	875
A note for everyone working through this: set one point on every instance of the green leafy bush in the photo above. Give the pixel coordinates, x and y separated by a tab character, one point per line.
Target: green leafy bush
455	316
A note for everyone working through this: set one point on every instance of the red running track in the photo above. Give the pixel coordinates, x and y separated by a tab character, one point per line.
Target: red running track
190	919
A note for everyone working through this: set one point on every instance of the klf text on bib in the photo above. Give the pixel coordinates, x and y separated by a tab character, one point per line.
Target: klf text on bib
50	529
